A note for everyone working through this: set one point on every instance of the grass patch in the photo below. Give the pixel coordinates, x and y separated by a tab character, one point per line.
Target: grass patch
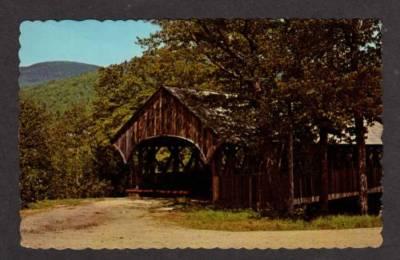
43	205
247	220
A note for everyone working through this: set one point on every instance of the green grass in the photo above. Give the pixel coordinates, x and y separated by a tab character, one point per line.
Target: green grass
44	205
247	220
47	204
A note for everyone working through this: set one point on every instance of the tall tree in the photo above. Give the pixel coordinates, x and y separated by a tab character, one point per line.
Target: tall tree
34	151
73	174
309	85
362	68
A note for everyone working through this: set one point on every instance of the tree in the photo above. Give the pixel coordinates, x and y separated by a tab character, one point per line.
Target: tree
71	156
237	49
34	151
362	68
302	45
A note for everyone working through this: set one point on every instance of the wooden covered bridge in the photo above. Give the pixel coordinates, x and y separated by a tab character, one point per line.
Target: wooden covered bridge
190	142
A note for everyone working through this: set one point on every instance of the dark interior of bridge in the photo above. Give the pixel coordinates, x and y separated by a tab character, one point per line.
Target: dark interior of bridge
171	164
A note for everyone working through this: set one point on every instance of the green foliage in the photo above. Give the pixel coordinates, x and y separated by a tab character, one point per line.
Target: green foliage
108	165
56	154
122	89
300	71
34	150
248	220
117	94
73	175
60	95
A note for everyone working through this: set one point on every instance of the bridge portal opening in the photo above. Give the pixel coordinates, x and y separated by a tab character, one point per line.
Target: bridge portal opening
170	166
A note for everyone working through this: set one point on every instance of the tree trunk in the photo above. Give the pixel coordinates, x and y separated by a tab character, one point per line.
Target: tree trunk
131	166
361	165
290	171
250	192
323	142
139	170
290	161
215	182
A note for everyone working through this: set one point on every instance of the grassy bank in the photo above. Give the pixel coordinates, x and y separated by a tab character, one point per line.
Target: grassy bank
44	205
249	220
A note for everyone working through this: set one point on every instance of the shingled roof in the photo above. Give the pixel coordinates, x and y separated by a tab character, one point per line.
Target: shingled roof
230	116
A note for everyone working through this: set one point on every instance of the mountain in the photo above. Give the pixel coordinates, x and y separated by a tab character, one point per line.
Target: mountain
60	95
53	70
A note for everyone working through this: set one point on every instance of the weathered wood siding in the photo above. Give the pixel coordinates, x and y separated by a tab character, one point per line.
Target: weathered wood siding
164	115
256	191
259	182
267	186
343	177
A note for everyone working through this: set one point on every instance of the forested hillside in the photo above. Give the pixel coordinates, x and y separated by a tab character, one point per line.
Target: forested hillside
46	71
60	95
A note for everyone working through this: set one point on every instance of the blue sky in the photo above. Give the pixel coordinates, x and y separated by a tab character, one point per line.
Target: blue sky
90	41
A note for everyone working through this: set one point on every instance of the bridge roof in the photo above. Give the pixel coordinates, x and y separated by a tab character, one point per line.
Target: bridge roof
230	116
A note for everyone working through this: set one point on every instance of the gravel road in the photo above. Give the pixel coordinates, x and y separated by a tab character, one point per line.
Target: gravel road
128	223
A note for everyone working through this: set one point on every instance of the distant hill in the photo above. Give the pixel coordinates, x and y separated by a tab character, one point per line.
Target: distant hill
60	95
53	70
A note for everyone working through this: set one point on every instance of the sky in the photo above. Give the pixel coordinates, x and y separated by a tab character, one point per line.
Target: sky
89	41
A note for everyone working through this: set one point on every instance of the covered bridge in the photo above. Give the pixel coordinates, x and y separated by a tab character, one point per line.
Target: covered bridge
187	141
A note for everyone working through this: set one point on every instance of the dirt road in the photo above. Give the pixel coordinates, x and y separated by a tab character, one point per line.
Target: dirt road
128	223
